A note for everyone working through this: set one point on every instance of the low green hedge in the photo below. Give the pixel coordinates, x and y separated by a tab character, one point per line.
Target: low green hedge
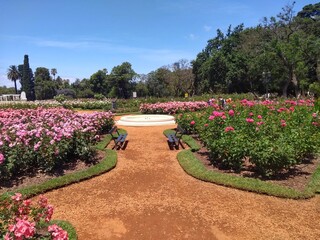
195	168
104	166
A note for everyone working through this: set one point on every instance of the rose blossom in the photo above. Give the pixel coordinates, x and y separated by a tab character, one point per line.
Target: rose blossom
23	228
1	158
228	129
231	113
249	120
17	197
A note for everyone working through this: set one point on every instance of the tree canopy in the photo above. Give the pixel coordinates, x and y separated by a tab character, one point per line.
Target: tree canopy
286	47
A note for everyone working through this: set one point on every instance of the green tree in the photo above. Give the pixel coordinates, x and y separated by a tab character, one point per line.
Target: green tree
310	11
54	72
5	90
82	88
141	89
221	67
308	20
120	80
13	74
44	85
181	78
286	47
27	80
98	82
62	83
286	40
158	84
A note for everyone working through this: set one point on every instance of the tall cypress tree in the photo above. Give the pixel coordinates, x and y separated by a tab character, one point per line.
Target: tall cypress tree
27	82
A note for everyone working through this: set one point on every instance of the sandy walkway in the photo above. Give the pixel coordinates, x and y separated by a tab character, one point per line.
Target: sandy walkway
149	196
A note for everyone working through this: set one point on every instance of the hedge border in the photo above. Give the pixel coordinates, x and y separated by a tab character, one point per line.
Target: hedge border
192	166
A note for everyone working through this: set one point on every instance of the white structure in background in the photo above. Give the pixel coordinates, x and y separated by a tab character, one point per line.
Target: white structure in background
23	96
146	120
13	97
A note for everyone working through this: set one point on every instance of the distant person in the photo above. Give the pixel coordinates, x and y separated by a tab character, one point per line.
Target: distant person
222	103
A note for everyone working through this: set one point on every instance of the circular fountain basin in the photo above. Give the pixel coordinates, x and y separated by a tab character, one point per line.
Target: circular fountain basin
146	120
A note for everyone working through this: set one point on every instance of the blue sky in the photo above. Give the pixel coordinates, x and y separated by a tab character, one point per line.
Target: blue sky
79	37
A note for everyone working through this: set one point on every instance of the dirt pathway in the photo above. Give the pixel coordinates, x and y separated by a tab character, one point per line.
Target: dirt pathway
149	196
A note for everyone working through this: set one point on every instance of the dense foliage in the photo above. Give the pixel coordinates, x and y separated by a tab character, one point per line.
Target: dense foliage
42	139
272	136
280	55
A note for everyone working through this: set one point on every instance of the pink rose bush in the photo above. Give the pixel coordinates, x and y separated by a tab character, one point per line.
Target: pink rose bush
42	138
21	219
57	232
274	136
172	107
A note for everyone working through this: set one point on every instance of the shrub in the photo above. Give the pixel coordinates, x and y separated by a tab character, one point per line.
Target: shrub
43	139
99	96
21	219
60	98
68	93
273	136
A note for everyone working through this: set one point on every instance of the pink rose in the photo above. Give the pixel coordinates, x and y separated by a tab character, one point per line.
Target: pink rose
7	236
17	197
249	120
192	123
228	129
24	228
1	158
57	233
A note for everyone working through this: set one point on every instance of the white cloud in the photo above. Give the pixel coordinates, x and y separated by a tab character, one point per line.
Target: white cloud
110	47
146	56
207	28
192	36
62	44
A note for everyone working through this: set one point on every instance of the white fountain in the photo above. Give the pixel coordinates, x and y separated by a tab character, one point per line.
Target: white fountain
146	120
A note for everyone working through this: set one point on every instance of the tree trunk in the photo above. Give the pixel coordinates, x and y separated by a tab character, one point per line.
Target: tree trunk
318	70
15	86
285	89
295	83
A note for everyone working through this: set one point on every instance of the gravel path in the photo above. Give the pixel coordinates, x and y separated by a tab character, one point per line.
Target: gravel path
149	196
